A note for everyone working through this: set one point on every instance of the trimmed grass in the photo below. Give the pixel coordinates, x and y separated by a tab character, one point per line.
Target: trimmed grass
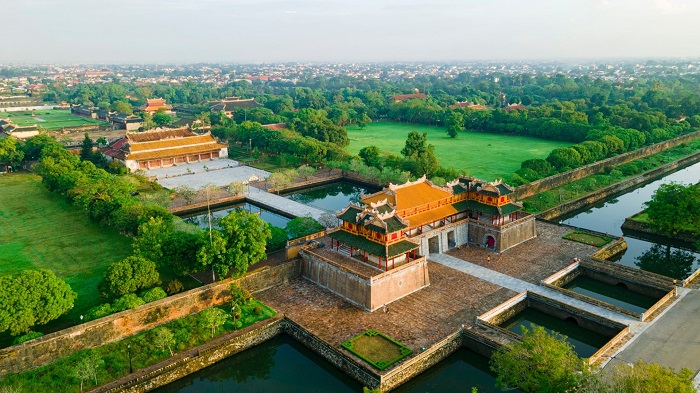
40	230
60	376
587	238
49	119
549	199
486	156
377	349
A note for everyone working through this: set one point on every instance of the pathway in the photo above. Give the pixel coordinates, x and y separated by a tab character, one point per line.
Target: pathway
282	204
518	285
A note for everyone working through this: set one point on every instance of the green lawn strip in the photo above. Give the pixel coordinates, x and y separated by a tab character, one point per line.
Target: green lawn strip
587	238
549	199
60	376
49	119
40	230
377	349
484	155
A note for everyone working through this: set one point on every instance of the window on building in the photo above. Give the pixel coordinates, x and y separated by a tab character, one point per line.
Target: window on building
394	236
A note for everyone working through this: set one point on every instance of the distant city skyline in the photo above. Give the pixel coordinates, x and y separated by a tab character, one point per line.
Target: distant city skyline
194	31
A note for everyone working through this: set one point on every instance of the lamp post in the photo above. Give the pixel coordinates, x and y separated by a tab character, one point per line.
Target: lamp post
131	367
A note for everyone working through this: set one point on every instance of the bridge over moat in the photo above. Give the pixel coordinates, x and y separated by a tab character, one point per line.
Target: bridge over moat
281	204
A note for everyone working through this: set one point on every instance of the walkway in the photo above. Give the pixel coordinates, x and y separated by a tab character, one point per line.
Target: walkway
282	204
518	285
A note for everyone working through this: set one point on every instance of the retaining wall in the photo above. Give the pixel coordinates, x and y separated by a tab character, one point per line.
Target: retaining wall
49	348
560	179
622	186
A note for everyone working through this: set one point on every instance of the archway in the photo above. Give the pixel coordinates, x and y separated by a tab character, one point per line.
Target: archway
489	241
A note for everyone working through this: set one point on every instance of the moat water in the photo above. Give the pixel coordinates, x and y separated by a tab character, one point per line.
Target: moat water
202	221
612	294
656	256
585	342
333	196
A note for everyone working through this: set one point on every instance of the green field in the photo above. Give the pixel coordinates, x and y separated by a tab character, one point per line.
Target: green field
486	156
39	230
48	119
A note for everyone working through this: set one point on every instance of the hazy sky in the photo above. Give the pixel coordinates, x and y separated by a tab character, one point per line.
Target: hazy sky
186	31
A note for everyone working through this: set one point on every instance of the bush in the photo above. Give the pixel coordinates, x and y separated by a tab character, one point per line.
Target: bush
257	310
98	312
173	287
127	302
153	294
33	335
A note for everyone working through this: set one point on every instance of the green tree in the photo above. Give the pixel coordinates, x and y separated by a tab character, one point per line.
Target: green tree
148	243
363	120
305	171
540	363
163	338
86	148
566	157
542	167
188	193
371	156
454	123
236	188
179	251
10	153
279	181
162	119
302	226
87	367
278	239
213	318
147	121
122	107
32	297
674	208
128	276
643	377
421	154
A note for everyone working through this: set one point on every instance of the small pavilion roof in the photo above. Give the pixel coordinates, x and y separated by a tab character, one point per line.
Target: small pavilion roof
378	249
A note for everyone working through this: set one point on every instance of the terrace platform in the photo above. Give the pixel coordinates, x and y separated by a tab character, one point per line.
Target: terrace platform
282	205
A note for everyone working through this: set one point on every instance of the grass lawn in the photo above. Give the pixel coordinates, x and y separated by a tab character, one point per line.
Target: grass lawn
486	156
377	349
49	119
40	230
587	238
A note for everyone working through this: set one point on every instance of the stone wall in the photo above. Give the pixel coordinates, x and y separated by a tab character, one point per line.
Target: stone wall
195	359
505	310
349	366
603	193
421	362
560	179
54	346
399	282
505	236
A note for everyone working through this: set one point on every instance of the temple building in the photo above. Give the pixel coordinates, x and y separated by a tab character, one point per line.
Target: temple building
164	147
19	132
392	230
231	104
153	105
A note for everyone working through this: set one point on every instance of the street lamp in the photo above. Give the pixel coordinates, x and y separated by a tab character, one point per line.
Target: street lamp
131	367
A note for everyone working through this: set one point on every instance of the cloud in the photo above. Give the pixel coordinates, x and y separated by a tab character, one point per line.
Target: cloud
670	7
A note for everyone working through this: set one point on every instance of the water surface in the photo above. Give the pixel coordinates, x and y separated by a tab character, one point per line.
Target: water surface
613	294
333	196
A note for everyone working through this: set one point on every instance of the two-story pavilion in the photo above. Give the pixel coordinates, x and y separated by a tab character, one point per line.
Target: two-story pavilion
389	226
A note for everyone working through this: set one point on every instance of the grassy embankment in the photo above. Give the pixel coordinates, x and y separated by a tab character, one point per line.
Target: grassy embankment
60	376
484	155
579	188
49	119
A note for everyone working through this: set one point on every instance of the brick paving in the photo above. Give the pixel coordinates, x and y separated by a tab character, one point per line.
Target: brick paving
417	320
533	260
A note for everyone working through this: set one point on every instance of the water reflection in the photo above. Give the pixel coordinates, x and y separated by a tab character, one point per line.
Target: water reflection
333	196
202	221
668	261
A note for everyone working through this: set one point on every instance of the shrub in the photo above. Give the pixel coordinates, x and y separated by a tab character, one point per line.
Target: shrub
33	335
99	311
126	302
173	287
153	294
257	310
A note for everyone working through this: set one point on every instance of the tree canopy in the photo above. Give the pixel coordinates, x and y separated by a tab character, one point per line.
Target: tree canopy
675	207
128	276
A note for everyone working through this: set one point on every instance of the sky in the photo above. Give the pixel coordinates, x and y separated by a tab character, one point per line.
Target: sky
348	31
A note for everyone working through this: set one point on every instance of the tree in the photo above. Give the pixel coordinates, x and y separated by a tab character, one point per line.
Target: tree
185	192
238	244
129	275
643	377
148	243
10	153
86	148
371	156
302	226
147	121
87	367
179	251
542	167
213	318
163	338
279	181
566	157
162	118
122	107
277	240
328	220
454	121
32	297
421	154
236	188
305	171
540	363
363	120
102	141
674	208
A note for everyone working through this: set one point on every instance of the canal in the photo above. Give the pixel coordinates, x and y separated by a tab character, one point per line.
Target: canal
333	196
200	218
614	294
655	256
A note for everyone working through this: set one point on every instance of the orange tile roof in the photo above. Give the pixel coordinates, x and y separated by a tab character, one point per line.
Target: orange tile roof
175	152
156	135
417	195
171	143
431	215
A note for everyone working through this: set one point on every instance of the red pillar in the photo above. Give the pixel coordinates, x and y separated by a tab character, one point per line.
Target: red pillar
351	251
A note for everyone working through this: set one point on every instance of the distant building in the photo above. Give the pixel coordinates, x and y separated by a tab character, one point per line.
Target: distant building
469	105
7	127
275	126
125	122
85	111
164	147
153	105
230	104
414	96
515	107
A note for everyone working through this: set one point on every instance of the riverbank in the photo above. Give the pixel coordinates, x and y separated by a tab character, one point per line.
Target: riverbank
578	194
639	223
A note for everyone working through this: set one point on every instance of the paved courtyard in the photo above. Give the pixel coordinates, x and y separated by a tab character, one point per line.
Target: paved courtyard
418	320
219	172
533	260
